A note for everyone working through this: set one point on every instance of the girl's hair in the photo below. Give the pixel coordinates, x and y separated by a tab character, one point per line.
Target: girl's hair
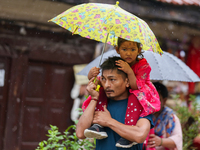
121	40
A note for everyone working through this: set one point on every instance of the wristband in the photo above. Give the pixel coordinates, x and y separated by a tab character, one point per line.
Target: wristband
161	142
94	99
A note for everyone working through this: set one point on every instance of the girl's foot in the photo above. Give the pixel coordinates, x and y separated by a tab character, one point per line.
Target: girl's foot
124	143
95	131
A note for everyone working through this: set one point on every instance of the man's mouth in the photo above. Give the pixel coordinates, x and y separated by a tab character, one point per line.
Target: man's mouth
109	91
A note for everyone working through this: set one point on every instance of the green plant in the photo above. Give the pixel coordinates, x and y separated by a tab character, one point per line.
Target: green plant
190	121
66	141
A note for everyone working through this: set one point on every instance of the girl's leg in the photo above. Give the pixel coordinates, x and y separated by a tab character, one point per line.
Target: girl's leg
133	111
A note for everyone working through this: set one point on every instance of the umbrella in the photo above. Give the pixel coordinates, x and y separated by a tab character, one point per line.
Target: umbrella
165	67
105	23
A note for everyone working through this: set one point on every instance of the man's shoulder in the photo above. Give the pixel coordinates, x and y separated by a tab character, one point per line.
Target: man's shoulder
149	118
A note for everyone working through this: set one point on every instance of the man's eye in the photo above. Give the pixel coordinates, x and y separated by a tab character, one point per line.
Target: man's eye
112	79
133	49
124	49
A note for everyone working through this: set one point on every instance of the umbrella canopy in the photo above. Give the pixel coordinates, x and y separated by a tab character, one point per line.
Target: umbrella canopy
105	23
165	67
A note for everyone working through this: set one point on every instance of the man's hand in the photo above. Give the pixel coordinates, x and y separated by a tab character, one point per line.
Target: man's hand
154	140
91	88
102	117
124	66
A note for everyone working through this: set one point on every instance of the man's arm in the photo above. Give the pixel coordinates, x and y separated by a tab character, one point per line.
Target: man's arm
85	121
137	133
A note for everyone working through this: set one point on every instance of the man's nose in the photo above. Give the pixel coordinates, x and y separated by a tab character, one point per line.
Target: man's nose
107	84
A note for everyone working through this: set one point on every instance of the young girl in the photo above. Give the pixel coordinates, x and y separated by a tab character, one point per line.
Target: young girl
138	71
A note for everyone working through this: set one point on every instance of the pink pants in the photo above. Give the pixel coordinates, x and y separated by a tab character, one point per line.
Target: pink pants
133	111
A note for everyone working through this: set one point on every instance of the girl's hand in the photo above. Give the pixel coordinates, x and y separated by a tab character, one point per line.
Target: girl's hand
124	66
94	71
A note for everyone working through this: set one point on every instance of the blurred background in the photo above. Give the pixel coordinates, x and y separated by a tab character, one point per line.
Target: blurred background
39	62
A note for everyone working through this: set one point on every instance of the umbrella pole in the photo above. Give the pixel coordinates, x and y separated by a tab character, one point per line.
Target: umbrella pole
103	50
98	86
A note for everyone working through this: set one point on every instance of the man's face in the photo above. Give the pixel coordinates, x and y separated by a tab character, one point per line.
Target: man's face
114	84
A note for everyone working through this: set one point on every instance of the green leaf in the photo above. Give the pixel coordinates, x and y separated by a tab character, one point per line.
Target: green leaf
66	140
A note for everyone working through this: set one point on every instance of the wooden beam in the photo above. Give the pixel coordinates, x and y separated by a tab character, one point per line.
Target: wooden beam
46	46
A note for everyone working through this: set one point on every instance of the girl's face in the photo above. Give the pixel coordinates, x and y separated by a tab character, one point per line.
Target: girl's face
128	51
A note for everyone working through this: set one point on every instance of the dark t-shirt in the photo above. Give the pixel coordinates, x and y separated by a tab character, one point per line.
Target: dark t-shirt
117	110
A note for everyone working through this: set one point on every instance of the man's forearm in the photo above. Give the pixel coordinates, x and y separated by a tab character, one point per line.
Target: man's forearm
85	120
137	133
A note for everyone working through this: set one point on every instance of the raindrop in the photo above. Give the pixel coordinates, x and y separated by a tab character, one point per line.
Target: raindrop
182	53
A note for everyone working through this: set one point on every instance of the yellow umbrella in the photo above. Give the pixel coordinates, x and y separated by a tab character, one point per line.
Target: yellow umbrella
105	23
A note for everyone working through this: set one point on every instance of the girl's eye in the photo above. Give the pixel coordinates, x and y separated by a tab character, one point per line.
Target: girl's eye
124	49
133	49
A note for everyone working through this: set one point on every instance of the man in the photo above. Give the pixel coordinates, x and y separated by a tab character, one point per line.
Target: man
115	84
168	133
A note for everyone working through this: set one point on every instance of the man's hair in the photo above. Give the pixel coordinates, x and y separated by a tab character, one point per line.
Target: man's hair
110	64
161	89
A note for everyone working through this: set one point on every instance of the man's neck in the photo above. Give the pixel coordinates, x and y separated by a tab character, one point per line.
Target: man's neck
121	97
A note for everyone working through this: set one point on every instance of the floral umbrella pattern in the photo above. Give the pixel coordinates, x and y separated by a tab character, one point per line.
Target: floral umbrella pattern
105	23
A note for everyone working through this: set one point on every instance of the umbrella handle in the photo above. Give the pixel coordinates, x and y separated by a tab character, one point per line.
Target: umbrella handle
98	86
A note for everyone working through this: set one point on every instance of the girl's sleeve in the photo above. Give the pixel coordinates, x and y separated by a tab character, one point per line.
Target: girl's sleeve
86	103
142	73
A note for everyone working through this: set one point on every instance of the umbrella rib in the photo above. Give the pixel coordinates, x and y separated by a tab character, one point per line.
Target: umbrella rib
159	68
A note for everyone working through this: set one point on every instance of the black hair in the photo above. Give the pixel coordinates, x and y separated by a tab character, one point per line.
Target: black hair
110	64
161	89
121	40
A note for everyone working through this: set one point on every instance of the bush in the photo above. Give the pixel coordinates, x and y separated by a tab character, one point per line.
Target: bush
66	141
190	122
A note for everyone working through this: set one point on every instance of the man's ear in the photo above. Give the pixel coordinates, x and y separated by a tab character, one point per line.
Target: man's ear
117	49
127	82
